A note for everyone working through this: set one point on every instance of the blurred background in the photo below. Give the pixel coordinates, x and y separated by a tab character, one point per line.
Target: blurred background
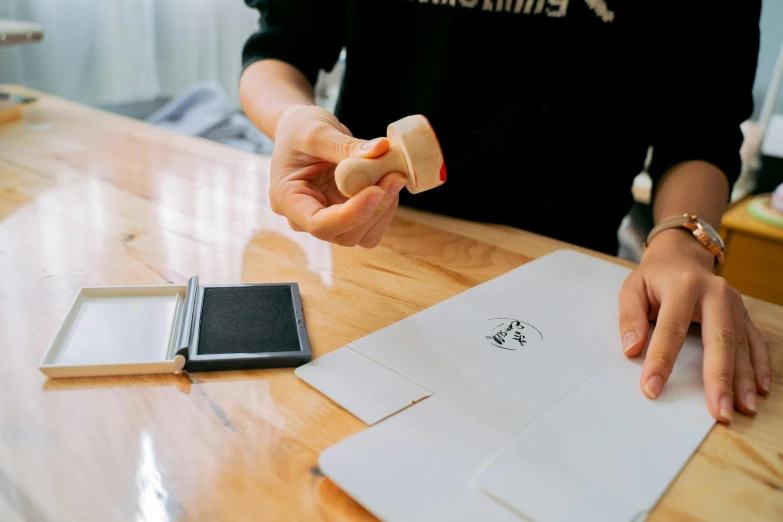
134	57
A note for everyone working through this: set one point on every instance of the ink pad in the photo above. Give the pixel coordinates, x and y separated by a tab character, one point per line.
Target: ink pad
160	329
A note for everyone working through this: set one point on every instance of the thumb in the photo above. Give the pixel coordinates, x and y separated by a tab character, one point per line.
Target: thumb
333	145
634	322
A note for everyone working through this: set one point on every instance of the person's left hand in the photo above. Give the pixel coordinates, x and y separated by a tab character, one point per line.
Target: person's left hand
674	285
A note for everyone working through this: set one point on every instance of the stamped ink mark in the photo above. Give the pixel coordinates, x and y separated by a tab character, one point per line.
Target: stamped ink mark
511	334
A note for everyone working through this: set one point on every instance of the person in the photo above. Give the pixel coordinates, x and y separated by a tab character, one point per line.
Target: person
545	111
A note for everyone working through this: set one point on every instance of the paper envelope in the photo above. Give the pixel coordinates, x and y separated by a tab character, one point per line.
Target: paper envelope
511	401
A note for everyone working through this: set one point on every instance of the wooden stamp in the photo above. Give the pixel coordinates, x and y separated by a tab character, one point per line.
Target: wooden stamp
415	152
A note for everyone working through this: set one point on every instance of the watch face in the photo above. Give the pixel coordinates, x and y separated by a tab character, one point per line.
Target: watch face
712	233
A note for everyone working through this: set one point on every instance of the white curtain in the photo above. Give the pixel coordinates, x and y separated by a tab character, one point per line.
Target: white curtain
104	52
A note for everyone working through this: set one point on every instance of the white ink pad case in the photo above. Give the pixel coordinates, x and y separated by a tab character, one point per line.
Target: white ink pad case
164	329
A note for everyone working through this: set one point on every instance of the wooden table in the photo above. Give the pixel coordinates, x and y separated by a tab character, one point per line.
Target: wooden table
754	254
103	200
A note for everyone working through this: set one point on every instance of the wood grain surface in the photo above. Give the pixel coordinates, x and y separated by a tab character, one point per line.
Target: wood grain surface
88	198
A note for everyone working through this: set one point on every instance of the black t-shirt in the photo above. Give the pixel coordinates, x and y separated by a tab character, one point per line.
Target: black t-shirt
545	109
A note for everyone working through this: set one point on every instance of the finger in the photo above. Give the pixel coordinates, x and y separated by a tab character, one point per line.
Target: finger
671	327
744	385
392	183
333	145
328	222
717	330
293	226
634	311
759	357
373	236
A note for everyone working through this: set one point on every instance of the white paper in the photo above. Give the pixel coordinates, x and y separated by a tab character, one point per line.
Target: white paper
448	348
539	487
580	275
558	416
608	434
360	385
416	465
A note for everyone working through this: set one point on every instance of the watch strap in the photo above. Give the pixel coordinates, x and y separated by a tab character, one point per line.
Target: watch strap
669	223
692	224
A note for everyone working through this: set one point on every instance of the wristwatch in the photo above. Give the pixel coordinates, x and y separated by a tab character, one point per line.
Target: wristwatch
701	230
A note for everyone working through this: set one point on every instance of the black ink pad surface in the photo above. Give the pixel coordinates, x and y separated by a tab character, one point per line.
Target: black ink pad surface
248	326
168	328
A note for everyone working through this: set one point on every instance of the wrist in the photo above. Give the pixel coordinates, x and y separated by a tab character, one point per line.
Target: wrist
679	242
286	108
285	111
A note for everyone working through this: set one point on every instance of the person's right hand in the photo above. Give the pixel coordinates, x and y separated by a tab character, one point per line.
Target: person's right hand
309	142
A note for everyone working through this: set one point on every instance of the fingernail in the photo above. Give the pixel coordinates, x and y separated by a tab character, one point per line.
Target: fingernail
374	199
629	340
726	407
766	384
368	145
750	401
653	386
